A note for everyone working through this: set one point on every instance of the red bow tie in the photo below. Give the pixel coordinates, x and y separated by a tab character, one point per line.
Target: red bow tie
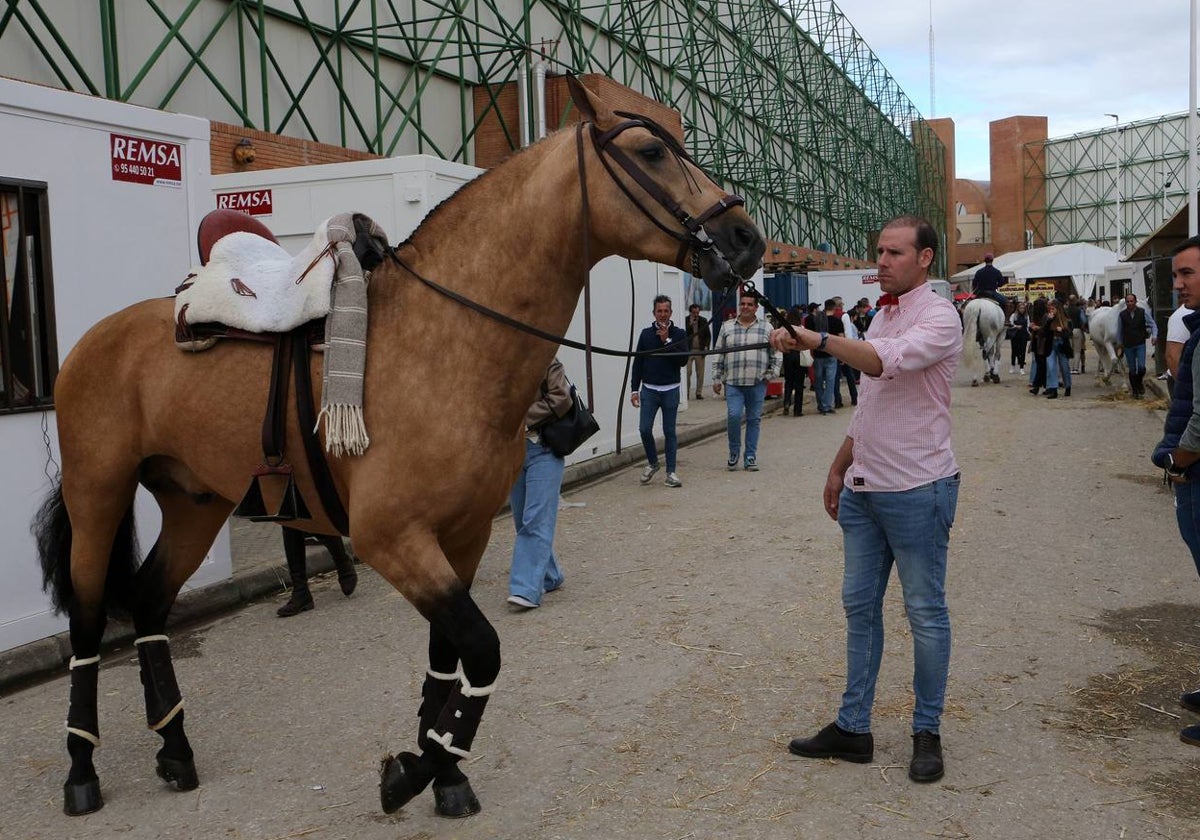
888	299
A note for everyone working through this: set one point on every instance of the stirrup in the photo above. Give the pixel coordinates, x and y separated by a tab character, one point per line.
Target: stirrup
291	506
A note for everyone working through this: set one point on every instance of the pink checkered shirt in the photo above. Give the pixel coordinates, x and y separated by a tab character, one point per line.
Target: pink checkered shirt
901	428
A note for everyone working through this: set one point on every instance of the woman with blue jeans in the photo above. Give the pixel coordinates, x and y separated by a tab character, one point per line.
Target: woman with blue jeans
534	498
1055	331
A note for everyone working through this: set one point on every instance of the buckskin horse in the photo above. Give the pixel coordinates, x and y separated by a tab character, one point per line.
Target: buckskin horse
131	410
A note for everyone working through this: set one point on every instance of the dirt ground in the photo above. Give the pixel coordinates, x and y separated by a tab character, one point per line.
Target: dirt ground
698	631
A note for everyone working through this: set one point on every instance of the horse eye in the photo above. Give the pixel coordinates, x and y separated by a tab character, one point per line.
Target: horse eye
652	152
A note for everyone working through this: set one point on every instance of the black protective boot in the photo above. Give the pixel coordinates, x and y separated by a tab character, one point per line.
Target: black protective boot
294	552
347	575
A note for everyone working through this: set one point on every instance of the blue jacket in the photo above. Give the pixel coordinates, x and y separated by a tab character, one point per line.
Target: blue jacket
1180	410
659	370
987	279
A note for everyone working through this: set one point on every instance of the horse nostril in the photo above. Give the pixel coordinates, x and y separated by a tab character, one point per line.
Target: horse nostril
744	237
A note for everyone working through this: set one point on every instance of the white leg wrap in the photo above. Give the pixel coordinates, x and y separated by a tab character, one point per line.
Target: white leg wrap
87	736
469	690
170	716
144	639
80	663
438	675
447	742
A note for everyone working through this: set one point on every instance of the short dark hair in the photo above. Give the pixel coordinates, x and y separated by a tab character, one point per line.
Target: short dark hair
926	236
1191	242
831	303
695	306
661	299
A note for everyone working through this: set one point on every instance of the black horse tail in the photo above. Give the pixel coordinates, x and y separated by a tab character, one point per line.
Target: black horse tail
52	531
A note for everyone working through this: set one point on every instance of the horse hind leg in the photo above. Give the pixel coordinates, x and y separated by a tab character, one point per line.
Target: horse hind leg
190	522
88	552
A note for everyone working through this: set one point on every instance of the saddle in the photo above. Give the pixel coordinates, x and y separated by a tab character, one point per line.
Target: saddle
248	283
238	240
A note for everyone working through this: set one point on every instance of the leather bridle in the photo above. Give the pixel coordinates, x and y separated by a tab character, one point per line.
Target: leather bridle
693	237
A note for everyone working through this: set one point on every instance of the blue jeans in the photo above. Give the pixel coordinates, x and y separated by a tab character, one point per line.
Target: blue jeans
652	401
534	502
1135	358
1064	364
911	530
851	384
1187	514
1052	368
744	400
826	370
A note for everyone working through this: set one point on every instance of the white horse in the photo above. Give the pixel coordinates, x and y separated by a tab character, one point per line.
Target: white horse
982	319
1105	330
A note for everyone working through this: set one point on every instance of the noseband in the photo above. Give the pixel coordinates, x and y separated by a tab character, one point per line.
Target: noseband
693	237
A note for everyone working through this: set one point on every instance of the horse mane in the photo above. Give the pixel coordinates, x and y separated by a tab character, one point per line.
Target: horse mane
468	190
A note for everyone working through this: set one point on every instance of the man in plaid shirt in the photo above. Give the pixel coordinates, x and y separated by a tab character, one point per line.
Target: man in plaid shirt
745	372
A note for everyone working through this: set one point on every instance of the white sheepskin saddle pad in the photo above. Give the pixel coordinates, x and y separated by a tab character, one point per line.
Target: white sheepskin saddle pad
254	284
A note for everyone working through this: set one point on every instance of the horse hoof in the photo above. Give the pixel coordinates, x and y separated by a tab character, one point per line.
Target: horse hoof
974	383
178	773
455	800
82	798
401	778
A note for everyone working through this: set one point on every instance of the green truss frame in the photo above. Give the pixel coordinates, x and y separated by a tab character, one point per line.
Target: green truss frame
782	101
1072	183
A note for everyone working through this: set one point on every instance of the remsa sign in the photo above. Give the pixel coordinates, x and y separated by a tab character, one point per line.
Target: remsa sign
143	161
254	202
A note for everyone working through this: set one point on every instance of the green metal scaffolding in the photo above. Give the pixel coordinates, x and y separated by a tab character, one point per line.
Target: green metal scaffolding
1075	184
782	101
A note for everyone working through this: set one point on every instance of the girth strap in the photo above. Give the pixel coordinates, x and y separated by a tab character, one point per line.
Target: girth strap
274	429
291	356
317	465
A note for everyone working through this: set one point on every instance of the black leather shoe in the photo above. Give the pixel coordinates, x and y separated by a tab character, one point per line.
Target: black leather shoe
832	742
1190	701
1191	735
298	603
1051	393
1034	390
926	765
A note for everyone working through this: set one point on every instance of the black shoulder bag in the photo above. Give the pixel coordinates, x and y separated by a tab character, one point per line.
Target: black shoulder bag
567	433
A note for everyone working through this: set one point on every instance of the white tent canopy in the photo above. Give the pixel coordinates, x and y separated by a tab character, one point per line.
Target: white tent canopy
1082	262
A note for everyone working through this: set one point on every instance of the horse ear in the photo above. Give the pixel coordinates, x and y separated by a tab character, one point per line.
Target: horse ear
583	99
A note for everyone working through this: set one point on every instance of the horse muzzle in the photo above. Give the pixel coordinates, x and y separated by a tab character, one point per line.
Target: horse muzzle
736	253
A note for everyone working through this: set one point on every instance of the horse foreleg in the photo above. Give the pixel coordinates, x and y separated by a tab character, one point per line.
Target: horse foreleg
457	619
451	791
189	527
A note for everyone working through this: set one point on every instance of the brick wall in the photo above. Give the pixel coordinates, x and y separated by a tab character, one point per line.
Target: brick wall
944	129
272	151
1007	137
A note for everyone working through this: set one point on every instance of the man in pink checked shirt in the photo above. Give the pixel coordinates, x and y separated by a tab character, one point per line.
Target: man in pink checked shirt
893	488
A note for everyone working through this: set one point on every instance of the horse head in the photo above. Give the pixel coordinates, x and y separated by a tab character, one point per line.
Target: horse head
653	194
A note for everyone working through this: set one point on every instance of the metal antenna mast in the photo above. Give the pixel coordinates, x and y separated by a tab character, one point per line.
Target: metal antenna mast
932	89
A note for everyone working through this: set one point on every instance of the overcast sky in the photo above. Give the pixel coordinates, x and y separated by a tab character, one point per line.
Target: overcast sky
1069	60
